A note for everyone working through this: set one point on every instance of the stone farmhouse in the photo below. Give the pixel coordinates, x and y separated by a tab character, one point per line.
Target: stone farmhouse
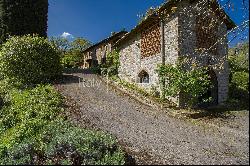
195	29
96	54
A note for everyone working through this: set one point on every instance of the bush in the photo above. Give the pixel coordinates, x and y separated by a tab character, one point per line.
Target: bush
68	145
70	60
29	60
26	112
33	132
1	102
239	75
96	70
81	146
5	88
112	64
176	80
239	88
241	80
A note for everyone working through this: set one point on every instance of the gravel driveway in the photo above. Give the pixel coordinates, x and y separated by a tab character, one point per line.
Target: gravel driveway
150	135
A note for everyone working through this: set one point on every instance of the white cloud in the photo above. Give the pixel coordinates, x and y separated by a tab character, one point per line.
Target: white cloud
67	35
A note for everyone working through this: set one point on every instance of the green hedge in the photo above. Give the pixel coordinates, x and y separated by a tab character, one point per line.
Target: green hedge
29	60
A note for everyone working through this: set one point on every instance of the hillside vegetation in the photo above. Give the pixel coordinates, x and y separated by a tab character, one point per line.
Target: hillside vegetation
239	74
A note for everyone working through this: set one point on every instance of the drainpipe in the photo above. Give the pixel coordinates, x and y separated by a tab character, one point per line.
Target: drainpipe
162	40
163	52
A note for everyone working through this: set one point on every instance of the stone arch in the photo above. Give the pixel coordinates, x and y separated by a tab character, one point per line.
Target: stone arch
143	77
212	92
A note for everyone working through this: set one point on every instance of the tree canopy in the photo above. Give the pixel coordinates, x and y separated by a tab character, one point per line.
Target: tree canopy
21	17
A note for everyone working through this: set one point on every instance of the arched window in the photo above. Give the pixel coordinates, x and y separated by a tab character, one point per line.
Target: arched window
143	77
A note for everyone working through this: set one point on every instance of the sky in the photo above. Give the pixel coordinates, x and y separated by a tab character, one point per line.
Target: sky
96	19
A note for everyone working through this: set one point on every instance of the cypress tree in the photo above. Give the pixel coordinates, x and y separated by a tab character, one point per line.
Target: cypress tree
20	17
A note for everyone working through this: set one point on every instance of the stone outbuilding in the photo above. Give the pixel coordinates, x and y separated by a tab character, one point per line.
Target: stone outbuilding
96	54
196	29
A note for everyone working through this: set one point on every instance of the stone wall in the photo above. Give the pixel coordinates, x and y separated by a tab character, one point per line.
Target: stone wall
102	51
192	43
86	56
130	54
97	54
171	39
182	39
132	62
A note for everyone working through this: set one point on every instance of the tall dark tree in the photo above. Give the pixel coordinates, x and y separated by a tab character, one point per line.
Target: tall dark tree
20	17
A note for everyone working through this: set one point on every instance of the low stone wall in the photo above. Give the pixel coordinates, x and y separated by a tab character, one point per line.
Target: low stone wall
147	100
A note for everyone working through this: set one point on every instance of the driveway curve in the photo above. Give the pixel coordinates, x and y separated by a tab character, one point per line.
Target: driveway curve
150	135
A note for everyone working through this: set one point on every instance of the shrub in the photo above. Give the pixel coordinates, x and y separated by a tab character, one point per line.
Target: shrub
4	90
62	143
239	88
70	60
29	60
81	146
239	58
241	80
239	75
96	70
1	102
175	80
112	64
33	132
26	112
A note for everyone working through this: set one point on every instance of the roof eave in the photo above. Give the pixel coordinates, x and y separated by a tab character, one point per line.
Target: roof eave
228	21
105	40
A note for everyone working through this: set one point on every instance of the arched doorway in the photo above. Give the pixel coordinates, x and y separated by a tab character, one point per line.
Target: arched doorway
143	77
89	63
212	92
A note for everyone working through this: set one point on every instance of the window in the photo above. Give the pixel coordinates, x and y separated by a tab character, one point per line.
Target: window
143	77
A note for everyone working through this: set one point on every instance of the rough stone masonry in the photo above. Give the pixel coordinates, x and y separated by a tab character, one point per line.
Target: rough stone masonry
193	29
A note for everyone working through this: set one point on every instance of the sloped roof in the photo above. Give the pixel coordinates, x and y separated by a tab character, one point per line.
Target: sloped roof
154	17
106	40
